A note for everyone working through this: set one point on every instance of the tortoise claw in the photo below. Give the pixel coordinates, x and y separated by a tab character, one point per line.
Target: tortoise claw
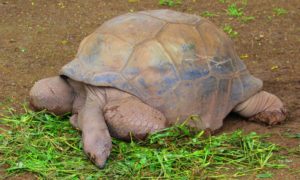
97	149
270	117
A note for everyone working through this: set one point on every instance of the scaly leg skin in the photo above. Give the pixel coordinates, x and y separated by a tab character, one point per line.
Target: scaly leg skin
74	121
97	142
124	116
129	118
263	107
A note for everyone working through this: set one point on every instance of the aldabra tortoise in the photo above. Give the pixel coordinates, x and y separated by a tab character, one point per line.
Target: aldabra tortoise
141	72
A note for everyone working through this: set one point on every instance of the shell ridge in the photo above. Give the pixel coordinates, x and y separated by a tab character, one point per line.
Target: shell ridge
242	89
143	12
228	93
212	104
171	58
118	37
134	47
205	47
136	88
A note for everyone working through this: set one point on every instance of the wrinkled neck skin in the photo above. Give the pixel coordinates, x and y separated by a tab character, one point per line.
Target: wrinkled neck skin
79	95
85	93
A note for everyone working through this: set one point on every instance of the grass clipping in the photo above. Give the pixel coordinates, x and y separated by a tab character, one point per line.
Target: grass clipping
49	147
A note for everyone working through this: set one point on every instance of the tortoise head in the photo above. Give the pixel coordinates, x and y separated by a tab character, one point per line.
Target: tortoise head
53	94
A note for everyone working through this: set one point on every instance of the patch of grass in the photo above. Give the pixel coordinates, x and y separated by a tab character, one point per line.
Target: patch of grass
280	11
234	11
244	2
169	3
246	19
208	14
264	175
48	146
230	31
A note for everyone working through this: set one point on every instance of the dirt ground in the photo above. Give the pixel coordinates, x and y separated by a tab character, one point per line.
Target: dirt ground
38	37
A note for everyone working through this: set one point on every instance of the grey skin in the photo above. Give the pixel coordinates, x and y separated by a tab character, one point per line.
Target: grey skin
102	112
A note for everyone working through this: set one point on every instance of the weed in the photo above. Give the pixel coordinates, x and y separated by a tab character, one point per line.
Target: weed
207	14
230	31
234	11
48	146
169	3
280	11
264	175
246	19
244	2
133	1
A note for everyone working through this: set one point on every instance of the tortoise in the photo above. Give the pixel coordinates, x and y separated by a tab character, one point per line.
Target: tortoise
141	72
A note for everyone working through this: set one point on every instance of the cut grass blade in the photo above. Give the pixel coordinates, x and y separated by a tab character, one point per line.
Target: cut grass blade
48	146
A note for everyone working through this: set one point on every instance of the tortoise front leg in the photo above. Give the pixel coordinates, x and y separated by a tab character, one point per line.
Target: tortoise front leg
129	118
262	107
97	141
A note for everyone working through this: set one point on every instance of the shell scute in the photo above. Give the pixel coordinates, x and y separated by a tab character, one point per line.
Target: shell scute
187	50
132	28
221	65
151	69
237	90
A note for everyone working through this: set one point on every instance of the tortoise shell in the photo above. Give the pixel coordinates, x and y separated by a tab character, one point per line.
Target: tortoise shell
176	62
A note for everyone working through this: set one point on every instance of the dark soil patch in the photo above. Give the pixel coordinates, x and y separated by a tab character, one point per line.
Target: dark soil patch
39	37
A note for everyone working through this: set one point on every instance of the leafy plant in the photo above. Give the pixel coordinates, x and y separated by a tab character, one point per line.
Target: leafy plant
230	31
207	14
169	3
234	11
280	11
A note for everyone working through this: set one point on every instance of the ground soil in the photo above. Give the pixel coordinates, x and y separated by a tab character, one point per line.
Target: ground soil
38	37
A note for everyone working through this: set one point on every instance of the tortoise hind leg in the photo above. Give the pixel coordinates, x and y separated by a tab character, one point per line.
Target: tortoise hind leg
262	107
129	118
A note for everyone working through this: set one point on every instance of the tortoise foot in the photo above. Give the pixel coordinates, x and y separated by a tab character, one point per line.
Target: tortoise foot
270	117
97	148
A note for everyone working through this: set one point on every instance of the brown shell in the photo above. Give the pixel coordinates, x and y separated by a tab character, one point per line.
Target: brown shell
179	63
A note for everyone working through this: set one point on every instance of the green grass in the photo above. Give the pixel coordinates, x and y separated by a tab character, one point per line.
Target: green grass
246	19
280	11
208	14
230	31
169	3
234	11
49	147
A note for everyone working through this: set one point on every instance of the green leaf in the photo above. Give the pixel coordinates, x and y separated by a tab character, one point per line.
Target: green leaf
297	135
